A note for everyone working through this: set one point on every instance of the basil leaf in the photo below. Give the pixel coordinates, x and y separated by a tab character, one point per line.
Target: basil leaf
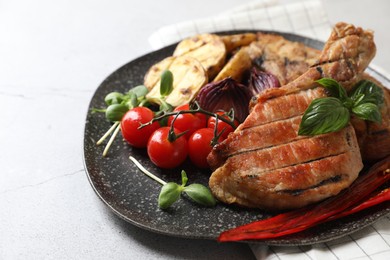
335	89
132	101
114	98
200	194
324	115
368	111
169	194
166	83
369	90
115	112
139	91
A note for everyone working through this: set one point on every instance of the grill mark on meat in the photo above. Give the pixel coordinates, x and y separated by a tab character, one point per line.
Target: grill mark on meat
298	168
267	158
319	69
384	132
262	190
263	137
281	107
297	192
274	122
279	156
288	126
257	137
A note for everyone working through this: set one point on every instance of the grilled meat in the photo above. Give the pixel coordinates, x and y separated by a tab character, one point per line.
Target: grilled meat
374	138
265	164
287	60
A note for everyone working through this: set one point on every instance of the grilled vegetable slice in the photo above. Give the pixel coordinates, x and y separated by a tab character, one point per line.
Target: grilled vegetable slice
208	49
188	77
237	40
236	66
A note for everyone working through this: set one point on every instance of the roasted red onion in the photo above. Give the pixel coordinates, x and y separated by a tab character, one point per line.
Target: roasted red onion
260	81
225	95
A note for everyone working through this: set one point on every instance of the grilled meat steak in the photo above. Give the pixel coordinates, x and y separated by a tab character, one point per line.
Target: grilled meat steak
265	164
288	60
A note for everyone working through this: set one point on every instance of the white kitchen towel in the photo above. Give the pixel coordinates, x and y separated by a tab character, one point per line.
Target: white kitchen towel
306	18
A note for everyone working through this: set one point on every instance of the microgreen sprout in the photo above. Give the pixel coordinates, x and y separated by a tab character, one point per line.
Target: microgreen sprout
171	191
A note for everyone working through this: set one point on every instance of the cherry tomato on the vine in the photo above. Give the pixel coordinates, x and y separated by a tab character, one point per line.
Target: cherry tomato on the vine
221	125
190	122
164	153
199	146
130	123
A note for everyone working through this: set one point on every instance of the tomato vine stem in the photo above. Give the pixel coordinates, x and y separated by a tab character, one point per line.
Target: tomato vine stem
197	109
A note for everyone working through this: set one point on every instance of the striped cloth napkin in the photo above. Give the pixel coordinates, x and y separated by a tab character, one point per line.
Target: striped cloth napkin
306	18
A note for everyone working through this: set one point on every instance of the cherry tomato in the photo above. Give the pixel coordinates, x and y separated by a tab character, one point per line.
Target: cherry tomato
190	122
166	154
199	146
221	125
130	123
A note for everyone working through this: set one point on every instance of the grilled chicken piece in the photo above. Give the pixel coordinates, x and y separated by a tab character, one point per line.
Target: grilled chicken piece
265	164
373	138
285	59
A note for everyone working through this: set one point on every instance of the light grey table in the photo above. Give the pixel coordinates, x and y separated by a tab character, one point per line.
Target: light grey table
53	55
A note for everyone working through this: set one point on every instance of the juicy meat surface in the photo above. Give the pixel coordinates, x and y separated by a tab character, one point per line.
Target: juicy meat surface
283	58
374	138
288	60
265	164
270	123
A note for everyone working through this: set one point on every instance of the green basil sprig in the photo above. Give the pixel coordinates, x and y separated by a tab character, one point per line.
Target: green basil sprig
171	191
330	114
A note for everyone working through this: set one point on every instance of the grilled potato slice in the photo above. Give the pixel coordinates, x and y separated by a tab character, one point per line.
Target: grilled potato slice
236	66
237	40
208	49
188	77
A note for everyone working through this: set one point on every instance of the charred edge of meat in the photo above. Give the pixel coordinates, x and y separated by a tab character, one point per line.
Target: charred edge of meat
286	61
298	192
384	132
319	69
348	137
259	61
350	65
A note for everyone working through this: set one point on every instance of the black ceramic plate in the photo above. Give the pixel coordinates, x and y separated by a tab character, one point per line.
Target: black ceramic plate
133	196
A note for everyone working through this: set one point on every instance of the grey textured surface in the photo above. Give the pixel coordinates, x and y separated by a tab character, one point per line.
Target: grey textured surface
54	54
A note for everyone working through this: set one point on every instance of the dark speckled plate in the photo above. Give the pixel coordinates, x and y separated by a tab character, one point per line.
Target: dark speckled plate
133	196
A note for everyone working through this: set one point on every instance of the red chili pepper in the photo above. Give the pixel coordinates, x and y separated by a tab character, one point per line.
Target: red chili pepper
375	199
345	203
